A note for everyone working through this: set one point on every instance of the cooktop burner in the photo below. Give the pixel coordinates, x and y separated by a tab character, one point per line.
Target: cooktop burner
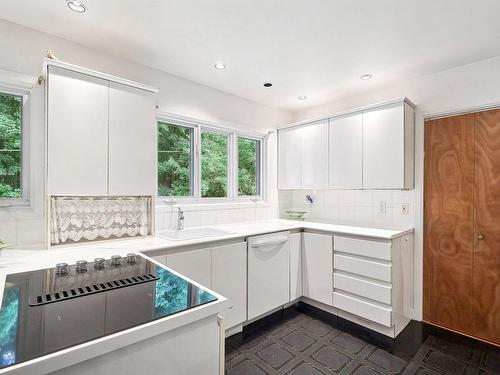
48	310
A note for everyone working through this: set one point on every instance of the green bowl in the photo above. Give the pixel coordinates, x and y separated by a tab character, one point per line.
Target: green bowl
296	215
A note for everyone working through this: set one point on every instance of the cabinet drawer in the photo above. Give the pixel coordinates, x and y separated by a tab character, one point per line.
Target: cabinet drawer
364	309
364	288
368	268
372	249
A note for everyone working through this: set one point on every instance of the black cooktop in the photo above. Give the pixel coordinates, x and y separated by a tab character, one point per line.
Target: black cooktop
48	310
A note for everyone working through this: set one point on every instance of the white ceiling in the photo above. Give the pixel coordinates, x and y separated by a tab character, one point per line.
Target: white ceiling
317	48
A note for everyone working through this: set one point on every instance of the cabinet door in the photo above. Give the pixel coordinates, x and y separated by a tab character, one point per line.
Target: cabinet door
195	265
295	266
317	267
77	133
346	152
383	147
314	155
289	159
268	273
229	278
132	141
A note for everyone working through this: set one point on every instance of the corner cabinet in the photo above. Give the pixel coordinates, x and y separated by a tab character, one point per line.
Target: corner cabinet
101	134
370	148
302	153
317	267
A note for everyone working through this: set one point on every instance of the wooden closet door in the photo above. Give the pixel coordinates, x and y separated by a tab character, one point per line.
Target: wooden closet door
486	275
448	222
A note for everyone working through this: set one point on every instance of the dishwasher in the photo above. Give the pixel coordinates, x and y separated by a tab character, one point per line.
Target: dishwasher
268	273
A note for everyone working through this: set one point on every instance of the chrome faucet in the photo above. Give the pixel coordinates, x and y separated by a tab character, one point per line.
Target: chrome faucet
309	199
180	219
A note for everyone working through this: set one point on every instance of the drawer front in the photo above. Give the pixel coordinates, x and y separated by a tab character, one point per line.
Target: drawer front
372	249
364	309
373	269
364	288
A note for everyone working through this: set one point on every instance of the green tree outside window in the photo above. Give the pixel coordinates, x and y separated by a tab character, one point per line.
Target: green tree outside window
10	145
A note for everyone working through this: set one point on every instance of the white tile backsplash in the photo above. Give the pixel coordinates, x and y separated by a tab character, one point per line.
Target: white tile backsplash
198	215
8	231
354	207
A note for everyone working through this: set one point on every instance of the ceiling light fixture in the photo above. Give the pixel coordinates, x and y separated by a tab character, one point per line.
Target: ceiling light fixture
366	77
220	66
302	97
76	6
268	84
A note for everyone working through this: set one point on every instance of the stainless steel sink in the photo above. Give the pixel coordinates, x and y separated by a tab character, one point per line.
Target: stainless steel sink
191	233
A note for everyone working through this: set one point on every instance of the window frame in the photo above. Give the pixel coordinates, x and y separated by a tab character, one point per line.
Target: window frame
24	94
232	163
192	167
260	166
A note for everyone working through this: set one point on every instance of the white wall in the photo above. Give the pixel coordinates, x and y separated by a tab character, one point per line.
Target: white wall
467	87
24	50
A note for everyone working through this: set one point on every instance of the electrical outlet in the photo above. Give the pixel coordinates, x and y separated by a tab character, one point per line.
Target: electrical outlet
382	207
405	207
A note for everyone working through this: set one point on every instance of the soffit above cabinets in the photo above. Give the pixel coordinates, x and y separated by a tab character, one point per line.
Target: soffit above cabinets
316	48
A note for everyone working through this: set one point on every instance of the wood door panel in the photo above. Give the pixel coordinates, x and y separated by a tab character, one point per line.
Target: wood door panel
486	275
448	221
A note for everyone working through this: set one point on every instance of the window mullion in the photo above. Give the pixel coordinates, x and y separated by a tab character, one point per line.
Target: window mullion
197	163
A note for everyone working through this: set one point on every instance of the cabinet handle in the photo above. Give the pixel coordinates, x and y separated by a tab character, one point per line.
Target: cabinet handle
270	243
480	237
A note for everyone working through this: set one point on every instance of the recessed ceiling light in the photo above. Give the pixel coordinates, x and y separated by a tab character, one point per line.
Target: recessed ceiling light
76	6
302	97
220	66
268	84
366	77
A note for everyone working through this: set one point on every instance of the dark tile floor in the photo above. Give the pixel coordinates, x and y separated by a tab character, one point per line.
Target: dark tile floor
300	342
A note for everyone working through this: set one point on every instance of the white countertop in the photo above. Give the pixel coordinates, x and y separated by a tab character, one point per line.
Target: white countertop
12	261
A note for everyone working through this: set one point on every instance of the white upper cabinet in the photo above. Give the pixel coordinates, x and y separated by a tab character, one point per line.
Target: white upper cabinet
132	141
367	149
303	155
289	159
388	147
101	135
314	155
77	139
346	152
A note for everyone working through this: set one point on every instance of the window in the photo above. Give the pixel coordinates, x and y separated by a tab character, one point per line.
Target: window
11	109
248	166
175	160
214	171
200	161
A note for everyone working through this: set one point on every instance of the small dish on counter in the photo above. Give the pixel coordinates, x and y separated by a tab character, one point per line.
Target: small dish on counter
296	215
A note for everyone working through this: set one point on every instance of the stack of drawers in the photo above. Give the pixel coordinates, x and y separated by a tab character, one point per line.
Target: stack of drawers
362	279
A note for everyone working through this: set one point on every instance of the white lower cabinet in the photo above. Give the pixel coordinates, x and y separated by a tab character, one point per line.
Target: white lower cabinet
295	266
317	267
194	264
373	281
367	281
222	269
229	278
268	273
